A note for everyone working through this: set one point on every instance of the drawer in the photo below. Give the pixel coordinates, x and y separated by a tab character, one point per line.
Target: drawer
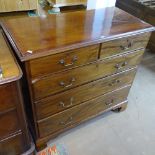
58	62
13	145
9	124
70	98
81	112
119	46
69	79
8	97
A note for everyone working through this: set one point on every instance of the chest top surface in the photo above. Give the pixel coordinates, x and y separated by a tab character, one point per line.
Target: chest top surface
42	36
9	69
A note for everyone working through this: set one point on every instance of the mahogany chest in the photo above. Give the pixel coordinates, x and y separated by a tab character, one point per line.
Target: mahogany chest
77	65
14	135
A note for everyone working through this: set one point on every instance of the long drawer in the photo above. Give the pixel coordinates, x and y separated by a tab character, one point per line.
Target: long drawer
63	61
67	99
9	124
69	79
81	112
118	46
8	98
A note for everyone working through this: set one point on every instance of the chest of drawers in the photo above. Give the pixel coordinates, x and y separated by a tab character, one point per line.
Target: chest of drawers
14	136
77	65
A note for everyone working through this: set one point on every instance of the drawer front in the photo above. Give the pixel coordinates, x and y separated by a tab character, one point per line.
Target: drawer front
9	124
78	76
58	62
115	47
81	112
8	96
65	100
12	146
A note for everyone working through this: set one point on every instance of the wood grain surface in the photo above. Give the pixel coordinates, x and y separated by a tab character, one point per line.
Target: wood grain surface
36	37
8	65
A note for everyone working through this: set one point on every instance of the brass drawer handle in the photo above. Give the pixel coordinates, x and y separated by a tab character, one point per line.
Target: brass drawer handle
74	59
69	121
126	47
114	82
121	65
1	73
69	105
109	103
62	83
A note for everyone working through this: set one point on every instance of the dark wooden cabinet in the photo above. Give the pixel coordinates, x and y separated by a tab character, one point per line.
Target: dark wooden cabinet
14	135
77	65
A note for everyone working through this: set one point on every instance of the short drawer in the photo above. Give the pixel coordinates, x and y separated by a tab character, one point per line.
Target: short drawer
70	98
69	79
8	96
13	145
119	46
9	124
58	62
81	112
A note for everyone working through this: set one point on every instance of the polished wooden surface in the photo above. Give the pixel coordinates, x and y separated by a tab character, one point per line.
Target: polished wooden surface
10	70
69	79
37	37
62	101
